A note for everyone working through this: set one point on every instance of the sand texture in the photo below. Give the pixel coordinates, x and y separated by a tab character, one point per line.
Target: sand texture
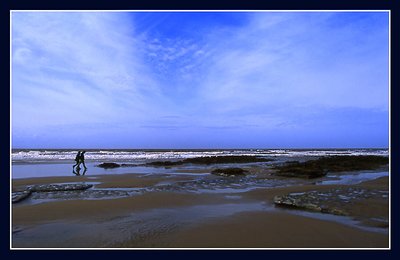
184	211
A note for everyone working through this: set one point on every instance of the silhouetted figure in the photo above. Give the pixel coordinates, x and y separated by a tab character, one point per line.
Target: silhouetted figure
77	159
76	171
82	159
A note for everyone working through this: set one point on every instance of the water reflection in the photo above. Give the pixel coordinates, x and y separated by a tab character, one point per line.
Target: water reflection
77	171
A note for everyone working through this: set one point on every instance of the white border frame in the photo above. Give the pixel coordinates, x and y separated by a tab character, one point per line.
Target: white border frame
205	11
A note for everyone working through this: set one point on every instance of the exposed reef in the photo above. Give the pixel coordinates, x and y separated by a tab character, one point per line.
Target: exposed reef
211	160
109	165
18	196
320	167
336	201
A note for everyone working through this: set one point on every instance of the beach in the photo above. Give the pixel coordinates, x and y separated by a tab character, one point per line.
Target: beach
188	207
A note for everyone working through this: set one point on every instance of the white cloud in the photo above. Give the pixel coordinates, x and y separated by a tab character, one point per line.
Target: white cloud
296	60
277	71
79	68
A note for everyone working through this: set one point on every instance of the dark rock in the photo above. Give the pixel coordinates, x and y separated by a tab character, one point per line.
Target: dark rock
295	202
320	167
226	159
309	201
129	165
59	187
229	172
164	163
20	195
334	211
211	160
292	162
109	165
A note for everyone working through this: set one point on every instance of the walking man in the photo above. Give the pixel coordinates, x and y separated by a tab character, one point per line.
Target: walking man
77	159
82	160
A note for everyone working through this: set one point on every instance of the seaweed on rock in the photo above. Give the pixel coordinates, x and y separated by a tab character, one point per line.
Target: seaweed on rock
320	167
109	165
211	160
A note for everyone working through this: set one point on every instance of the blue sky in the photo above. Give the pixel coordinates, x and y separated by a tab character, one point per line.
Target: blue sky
199	80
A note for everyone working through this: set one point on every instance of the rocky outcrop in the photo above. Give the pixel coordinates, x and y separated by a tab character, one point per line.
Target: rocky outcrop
226	159
320	167
59	187
18	196
229	172
207	160
164	163
303	202
109	165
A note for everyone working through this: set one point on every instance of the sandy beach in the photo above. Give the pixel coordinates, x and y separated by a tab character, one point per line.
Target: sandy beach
155	211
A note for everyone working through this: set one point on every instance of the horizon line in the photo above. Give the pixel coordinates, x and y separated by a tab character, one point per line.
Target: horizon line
253	148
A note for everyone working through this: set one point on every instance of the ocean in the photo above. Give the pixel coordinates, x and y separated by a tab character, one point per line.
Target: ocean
28	163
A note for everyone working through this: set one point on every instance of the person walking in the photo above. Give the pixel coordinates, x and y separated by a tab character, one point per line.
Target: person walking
82	159
77	160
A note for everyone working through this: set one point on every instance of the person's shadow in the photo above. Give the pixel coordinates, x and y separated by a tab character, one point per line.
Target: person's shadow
77	170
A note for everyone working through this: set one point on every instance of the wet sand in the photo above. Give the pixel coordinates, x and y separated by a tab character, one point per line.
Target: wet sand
180	219
273	230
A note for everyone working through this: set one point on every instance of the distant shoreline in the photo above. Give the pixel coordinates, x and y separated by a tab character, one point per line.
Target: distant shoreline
194	149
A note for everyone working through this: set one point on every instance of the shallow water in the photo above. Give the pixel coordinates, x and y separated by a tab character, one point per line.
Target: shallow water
199	185
52	169
46	163
143	227
353	178
348	221
138	227
33	170
198	182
